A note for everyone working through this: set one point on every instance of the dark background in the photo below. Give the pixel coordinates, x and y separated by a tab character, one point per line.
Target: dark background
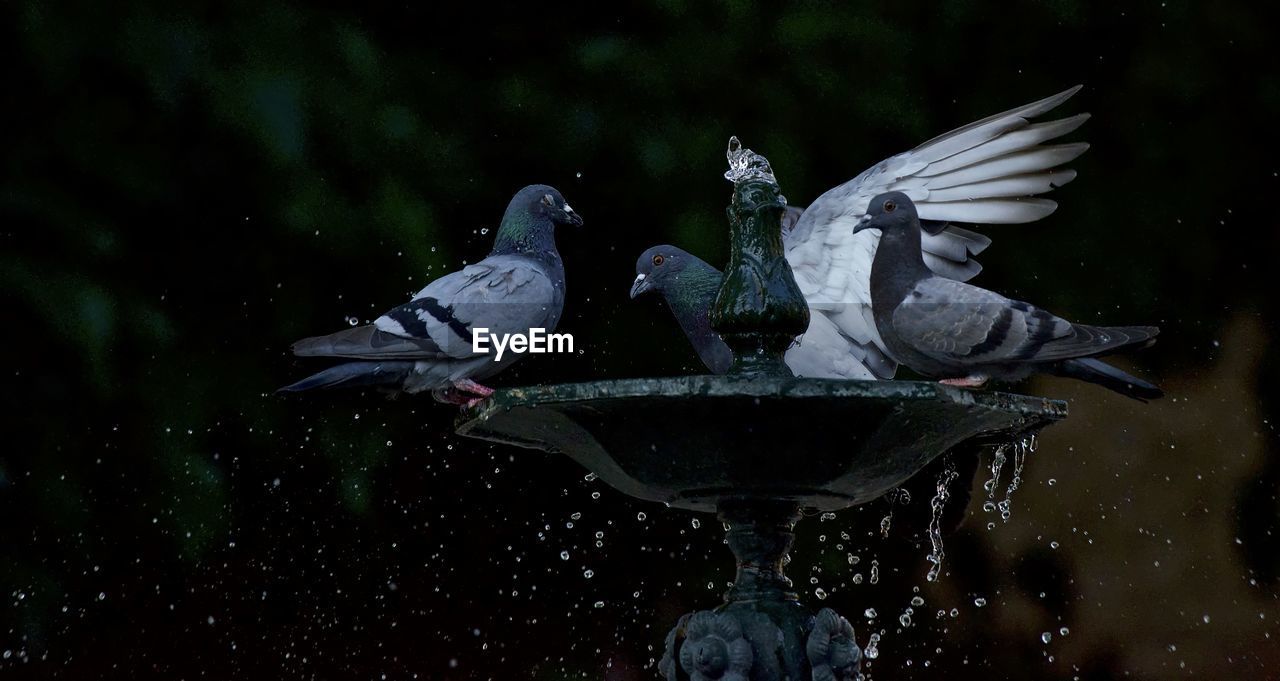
186	191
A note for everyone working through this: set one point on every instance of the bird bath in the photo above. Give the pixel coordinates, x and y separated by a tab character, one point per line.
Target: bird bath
756	447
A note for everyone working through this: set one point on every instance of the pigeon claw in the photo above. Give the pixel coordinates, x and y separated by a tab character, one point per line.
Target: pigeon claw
467	385
464	392
966	382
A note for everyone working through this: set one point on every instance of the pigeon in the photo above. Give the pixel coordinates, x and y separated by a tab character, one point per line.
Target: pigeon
986	173
426	344
689	286
965	335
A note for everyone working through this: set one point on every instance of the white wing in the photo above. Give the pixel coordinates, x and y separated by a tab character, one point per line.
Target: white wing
985	173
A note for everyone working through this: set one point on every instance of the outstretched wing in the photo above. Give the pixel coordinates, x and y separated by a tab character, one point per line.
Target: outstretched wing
960	325
986	172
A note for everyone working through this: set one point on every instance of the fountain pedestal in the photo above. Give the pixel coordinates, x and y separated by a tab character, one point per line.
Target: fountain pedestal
756	446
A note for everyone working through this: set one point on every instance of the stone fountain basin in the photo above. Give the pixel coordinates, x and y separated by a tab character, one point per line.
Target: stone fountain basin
692	441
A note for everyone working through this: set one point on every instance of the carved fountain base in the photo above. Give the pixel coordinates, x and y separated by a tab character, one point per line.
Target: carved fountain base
756	450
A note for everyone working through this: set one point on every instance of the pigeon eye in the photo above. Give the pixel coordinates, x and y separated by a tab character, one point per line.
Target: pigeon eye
890	206
658	260
546	198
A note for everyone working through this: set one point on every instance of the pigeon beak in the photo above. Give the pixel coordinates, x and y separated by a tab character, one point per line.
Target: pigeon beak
864	222
574	218
640	285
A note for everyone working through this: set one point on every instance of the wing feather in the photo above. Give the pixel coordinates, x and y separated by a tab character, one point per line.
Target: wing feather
981	173
504	294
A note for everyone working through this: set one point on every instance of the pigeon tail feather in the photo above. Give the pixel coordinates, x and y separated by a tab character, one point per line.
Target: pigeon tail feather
355	375
367	342
1103	374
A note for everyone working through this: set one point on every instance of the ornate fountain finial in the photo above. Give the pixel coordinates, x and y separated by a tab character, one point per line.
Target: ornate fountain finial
745	164
759	309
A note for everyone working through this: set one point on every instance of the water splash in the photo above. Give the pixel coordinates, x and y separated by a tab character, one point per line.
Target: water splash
936	505
1020	450
745	164
895	497
997	463
873	647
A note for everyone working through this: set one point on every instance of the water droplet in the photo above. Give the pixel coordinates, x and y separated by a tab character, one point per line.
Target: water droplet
588	573
917	601
820	593
1046	637
936	505
869	613
1064	631
980	602
873	650
875	572
695	523
599	604
352	321
564	555
641	516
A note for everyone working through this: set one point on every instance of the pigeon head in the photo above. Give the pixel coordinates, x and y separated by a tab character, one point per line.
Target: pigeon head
545	201
892	213
658	268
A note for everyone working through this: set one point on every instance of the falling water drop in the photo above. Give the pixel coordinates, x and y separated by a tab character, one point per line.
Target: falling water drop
1019	458
980	602
997	462
936	505
873	650
875	572
1046	637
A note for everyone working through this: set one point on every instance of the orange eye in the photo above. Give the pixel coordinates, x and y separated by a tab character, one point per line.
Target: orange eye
658	260
890	206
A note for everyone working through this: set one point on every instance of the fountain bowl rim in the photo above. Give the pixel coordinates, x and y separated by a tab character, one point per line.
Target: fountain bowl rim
730	386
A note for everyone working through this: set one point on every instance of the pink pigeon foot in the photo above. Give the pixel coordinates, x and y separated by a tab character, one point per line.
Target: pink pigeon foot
464	392
966	382
467	385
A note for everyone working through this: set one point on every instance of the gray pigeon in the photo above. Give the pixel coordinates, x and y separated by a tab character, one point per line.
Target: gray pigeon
426	344
689	286
987	172
966	335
